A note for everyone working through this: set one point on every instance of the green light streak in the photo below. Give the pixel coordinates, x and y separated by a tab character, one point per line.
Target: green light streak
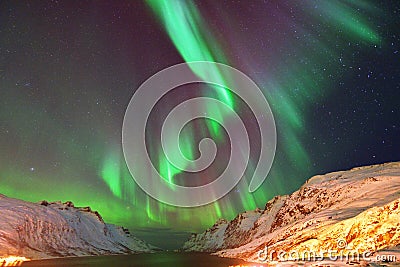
112	176
348	20
218	211
165	168
187	30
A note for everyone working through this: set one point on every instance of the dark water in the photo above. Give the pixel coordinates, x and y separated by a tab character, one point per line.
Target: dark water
148	260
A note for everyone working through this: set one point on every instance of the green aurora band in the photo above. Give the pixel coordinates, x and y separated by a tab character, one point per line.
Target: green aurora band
183	22
193	39
119	200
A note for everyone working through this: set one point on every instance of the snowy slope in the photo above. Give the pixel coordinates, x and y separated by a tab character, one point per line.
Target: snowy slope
223	235
209	240
359	206
41	230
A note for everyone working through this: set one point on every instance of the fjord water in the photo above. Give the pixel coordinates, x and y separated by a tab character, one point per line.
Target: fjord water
142	260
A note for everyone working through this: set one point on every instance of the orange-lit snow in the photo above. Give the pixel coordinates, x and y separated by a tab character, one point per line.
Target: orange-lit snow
12	261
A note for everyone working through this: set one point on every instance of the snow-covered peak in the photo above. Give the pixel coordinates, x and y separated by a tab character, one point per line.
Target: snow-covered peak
41	230
325	207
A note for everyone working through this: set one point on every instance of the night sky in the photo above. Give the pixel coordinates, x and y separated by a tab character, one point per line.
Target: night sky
330	71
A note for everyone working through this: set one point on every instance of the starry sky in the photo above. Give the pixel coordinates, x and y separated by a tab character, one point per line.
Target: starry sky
330	71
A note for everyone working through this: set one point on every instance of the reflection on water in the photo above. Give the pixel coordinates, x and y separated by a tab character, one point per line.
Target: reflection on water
145	260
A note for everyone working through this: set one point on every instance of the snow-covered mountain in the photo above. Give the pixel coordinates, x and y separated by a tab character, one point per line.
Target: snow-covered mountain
224	234
42	230
357	210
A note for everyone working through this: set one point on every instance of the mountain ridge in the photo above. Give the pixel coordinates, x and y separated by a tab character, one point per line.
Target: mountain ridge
324	201
55	229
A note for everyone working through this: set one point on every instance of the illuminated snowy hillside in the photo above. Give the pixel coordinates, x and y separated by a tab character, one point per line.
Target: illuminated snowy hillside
359	208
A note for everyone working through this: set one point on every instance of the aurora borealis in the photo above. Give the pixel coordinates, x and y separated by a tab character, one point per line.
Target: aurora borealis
330	71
